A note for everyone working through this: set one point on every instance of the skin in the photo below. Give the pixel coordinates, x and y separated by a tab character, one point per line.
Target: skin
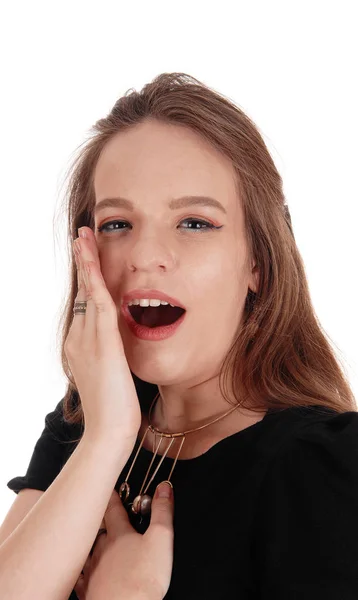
207	270
124	563
127	564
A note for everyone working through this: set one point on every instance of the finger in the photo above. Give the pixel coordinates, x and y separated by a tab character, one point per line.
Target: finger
87	234
116	518
101	317
78	322
162	508
160	533
89	326
81	292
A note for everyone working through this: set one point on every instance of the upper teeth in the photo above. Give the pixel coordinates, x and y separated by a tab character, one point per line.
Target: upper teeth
147	302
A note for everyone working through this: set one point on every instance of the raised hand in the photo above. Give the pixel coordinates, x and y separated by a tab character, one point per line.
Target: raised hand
95	353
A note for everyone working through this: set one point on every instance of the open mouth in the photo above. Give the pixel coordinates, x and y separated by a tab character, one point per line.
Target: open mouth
155	316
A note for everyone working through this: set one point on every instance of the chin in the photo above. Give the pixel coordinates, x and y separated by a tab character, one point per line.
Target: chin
149	370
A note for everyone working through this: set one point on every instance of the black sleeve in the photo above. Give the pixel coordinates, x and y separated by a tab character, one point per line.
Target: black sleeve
53	448
306	540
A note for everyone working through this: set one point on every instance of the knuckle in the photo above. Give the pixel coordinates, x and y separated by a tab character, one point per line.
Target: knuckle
86	353
105	306
101	306
69	347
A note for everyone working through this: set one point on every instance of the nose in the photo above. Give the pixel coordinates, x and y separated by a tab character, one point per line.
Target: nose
150	255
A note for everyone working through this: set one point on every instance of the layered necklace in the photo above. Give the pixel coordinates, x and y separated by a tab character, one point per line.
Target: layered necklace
141	504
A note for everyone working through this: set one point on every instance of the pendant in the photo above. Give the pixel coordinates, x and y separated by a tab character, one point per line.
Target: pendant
142	504
124	490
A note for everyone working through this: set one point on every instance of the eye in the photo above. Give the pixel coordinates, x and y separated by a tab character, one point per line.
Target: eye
204	225
105	226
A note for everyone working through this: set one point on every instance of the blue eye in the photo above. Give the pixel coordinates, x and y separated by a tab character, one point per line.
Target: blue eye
207	226
205	223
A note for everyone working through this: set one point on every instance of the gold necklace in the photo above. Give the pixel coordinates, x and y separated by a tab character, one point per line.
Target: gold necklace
142	502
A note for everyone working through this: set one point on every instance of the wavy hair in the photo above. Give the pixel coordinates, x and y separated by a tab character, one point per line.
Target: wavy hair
281	357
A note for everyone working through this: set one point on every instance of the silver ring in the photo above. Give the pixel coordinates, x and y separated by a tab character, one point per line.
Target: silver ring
80	307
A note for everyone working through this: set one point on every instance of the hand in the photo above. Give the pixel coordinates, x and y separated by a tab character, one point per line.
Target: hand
126	564
96	357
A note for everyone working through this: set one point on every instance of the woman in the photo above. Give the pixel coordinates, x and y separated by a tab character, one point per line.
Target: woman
243	405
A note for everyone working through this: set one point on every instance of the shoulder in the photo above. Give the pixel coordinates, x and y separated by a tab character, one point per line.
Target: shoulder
306	525
319	455
323	436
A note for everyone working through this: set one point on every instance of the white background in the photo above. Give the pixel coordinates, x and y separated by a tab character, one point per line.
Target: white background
291	66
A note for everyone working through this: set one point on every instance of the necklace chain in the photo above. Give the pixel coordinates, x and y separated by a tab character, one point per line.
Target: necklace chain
183	433
142	502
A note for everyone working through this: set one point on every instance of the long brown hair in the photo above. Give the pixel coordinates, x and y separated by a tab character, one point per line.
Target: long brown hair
281	356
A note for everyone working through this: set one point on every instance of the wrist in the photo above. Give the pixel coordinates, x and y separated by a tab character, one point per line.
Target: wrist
113	443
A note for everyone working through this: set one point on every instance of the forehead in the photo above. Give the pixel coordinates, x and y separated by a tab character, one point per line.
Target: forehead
159	160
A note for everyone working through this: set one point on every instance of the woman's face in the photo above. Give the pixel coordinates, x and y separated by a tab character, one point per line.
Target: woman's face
150	165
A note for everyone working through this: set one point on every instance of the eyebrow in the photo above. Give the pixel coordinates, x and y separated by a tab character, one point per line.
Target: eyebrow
175	204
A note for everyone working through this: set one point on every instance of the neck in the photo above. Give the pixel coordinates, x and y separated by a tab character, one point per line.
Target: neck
176	412
180	410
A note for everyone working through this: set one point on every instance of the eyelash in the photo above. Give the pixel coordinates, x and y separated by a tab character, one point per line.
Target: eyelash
209	226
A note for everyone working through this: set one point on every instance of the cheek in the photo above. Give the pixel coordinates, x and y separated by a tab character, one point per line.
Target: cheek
217	273
219	288
111	270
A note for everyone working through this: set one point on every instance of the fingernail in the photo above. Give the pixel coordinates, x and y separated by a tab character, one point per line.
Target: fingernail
82	232
164	489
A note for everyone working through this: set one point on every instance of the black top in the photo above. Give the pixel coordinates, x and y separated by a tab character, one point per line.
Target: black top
270	512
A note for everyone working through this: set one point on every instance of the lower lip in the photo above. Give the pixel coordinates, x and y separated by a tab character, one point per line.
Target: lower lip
152	334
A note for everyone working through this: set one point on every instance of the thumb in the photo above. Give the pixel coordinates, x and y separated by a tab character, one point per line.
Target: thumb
160	533
162	507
